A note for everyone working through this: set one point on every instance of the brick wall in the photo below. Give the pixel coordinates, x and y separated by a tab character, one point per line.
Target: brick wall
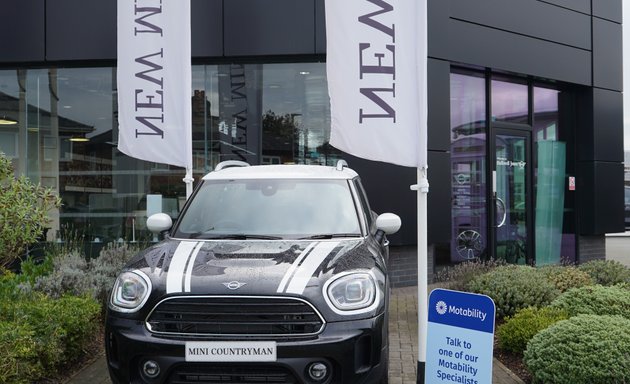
592	248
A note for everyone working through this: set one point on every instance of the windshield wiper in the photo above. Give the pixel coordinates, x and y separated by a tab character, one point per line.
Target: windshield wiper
232	236
329	236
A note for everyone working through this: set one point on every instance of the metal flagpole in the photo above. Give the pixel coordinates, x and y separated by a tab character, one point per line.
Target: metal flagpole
188	179
423	189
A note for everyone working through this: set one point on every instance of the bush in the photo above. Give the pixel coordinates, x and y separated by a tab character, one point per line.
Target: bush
595	300
566	277
606	272
517	331
585	349
24	210
514	287
458	276
72	274
49	333
19	357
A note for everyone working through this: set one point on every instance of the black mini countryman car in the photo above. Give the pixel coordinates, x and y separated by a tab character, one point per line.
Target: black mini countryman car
271	274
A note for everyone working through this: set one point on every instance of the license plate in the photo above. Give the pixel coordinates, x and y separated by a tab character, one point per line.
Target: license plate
231	351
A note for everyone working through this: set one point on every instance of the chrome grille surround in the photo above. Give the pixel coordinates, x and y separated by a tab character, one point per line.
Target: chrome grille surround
198	316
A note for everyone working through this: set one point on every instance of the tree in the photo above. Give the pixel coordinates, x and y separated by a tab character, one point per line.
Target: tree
24	210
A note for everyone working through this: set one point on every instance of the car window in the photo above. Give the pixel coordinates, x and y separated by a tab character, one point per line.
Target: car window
282	208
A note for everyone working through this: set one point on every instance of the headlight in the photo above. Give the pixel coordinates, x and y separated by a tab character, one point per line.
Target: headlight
130	292
352	293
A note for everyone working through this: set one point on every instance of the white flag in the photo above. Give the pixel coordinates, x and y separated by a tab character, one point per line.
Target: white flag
154	81
376	68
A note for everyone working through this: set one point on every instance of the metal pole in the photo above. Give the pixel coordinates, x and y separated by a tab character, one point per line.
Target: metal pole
423	189
188	179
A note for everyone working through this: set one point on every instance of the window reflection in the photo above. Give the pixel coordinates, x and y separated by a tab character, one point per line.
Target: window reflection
468	167
59	127
509	102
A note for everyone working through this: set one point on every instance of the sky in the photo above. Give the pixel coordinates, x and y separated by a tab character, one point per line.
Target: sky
626	75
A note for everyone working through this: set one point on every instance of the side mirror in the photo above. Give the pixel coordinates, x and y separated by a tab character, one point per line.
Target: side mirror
389	223
159	222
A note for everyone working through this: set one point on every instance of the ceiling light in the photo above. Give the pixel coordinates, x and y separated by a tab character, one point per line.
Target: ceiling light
7	121
79	139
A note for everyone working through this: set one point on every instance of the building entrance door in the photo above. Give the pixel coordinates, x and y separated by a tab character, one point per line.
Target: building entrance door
511	192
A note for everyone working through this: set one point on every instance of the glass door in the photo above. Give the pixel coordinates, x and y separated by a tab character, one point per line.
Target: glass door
511	195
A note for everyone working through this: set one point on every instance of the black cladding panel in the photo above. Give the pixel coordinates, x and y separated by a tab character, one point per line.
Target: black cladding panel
502	50
206	28
320	27
607	54
608	125
80	30
583	6
601	198
265	27
553	23
22	31
608	9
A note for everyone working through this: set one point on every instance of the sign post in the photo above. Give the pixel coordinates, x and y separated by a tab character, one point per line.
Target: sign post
460	338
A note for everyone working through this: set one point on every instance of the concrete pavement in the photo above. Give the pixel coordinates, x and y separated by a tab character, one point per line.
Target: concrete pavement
403	349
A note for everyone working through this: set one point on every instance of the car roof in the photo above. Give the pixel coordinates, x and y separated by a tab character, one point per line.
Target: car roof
285	171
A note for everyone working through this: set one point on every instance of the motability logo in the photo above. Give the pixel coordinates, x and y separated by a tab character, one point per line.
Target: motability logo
442	308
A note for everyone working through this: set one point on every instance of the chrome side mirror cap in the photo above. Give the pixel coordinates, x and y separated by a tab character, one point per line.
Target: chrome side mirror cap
159	222
388	222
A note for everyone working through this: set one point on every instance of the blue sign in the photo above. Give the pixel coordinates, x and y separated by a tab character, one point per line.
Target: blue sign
460	338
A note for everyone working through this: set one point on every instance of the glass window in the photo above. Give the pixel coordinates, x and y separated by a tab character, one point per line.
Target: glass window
59	127
509	102
554	208
468	167
545	113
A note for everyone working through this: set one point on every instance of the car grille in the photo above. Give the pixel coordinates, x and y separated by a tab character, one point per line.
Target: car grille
235	316
205	374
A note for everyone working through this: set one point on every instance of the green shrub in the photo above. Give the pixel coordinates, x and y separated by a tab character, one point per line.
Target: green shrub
513	287
586	349
595	300
19	356
458	276
515	333
24	210
60	328
566	277
606	272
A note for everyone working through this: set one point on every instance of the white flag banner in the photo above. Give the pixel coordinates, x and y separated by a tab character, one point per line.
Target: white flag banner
154	81
376	67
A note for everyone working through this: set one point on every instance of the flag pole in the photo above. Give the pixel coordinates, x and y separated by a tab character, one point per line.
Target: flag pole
423	189
188	179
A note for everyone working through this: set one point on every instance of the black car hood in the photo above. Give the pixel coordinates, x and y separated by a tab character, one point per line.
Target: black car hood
252	267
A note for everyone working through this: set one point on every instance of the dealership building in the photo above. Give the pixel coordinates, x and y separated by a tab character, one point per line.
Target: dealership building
525	124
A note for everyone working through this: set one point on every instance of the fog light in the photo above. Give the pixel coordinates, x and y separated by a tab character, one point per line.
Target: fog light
317	371
151	369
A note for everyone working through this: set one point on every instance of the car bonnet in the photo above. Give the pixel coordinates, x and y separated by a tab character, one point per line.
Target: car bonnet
250	267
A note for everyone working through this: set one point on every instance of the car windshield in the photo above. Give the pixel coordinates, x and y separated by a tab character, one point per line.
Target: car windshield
293	208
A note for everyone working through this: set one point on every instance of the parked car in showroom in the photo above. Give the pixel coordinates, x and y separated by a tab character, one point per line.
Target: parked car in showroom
271	273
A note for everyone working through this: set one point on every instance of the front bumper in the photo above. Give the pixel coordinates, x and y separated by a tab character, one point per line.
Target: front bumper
354	352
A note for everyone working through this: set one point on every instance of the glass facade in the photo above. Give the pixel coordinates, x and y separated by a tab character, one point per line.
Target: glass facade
511	158
59	127
511	165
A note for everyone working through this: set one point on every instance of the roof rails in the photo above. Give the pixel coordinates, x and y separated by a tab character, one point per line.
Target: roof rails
341	164
229	164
